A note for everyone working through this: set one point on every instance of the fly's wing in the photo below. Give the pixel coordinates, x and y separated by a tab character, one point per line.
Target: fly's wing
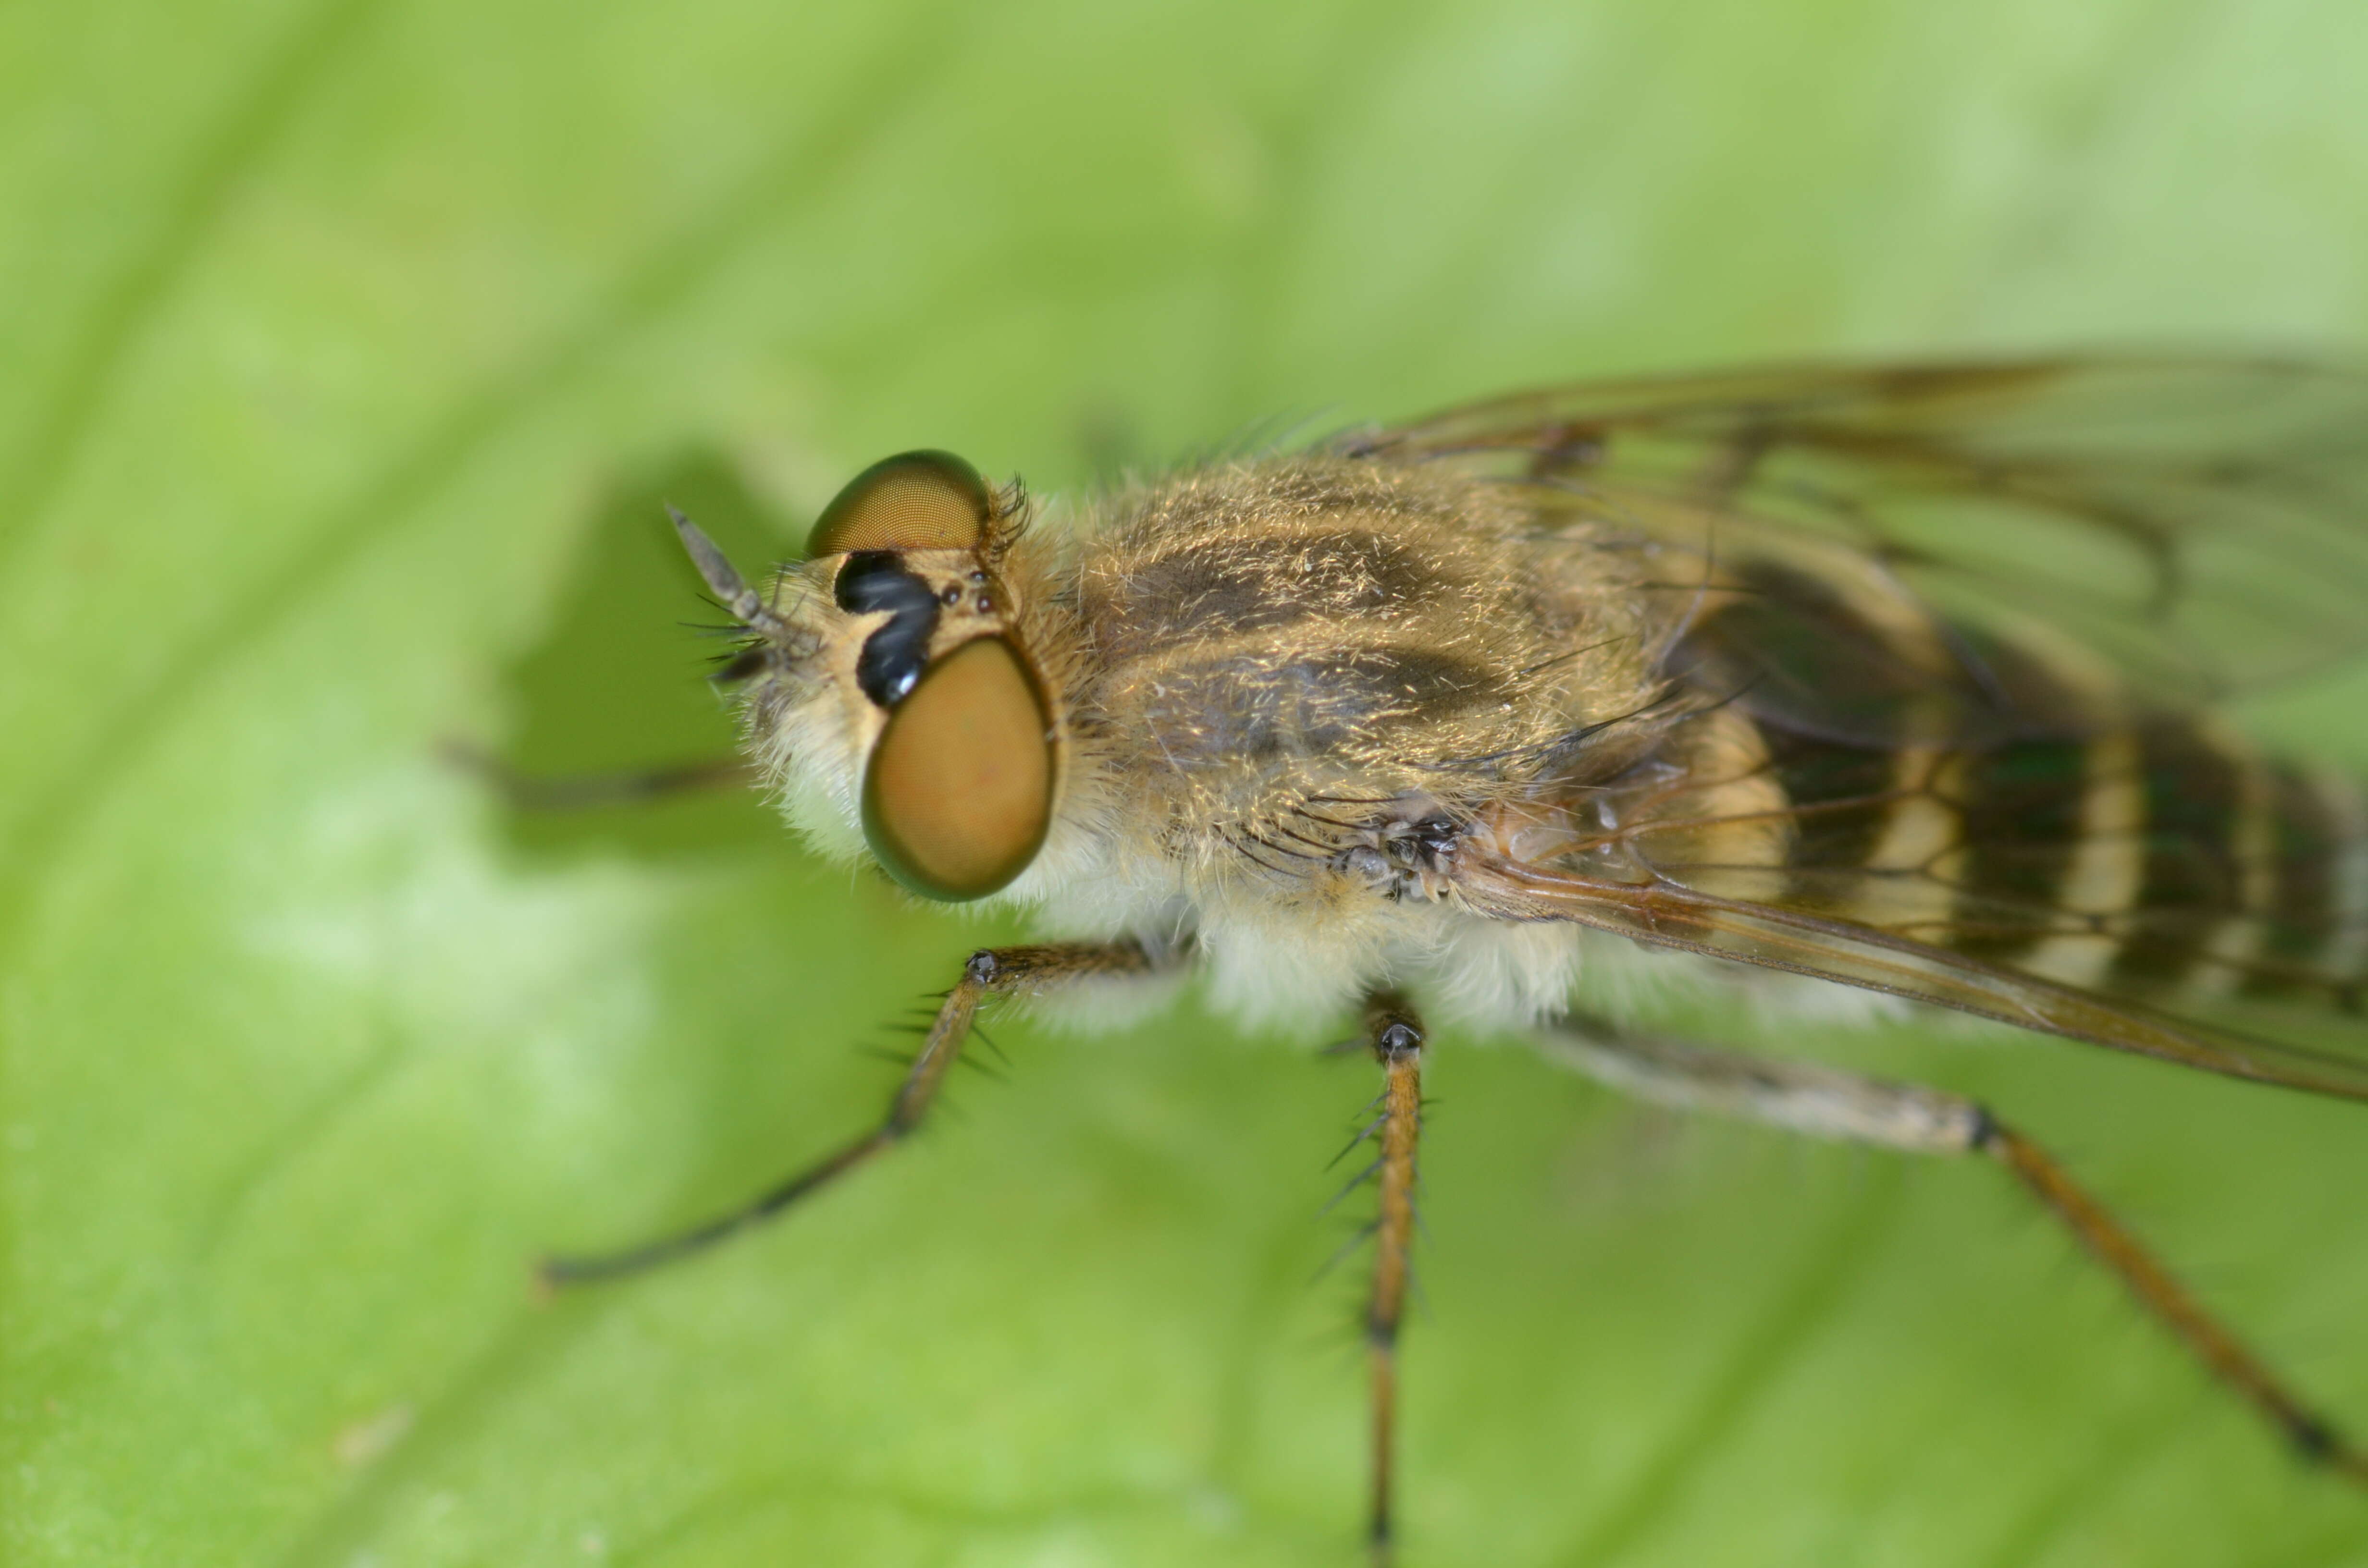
2179	528
1941	641
1671	915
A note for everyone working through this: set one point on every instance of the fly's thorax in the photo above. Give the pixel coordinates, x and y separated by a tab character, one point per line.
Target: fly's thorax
1276	647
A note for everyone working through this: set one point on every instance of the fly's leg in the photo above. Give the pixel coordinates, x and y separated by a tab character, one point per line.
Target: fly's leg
1396	1036
582	791
1824	1103
992	972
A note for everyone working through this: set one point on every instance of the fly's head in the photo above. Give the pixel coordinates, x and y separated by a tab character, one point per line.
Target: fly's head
891	688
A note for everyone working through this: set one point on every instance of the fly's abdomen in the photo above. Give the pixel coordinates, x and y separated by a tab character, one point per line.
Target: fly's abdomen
2164	858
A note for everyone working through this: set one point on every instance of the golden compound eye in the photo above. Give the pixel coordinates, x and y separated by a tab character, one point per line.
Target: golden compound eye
960	788
912	501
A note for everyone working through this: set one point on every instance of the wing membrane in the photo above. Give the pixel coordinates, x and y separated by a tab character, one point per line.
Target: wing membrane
2162	889
2190	527
1662	914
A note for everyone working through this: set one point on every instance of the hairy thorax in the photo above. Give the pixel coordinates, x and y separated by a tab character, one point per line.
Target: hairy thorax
1296	685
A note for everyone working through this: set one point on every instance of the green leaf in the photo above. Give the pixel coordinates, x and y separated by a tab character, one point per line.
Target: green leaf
349	347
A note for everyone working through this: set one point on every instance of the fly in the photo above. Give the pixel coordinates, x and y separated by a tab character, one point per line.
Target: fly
1898	678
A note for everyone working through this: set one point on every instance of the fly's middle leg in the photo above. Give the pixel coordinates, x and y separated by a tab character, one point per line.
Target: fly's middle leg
1395	1036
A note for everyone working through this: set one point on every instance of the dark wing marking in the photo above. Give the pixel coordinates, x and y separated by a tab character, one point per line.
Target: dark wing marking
2185	527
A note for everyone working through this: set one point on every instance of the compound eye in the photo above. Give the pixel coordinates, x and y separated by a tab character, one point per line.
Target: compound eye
913	501
959	791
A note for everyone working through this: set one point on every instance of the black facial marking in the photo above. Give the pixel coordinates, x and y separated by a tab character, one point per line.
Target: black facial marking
891	662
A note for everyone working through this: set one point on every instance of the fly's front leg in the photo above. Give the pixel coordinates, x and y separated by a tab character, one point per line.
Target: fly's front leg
1824	1103
1396	1036
992	972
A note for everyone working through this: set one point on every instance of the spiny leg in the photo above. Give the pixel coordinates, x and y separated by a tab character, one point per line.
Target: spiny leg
989	972
2312	1436
582	791
1824	1103
1396	1036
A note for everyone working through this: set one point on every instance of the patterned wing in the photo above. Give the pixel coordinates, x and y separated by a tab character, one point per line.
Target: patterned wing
1881	553
1671	915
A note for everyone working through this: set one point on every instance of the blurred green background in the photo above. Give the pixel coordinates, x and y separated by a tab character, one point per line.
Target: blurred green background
348	347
